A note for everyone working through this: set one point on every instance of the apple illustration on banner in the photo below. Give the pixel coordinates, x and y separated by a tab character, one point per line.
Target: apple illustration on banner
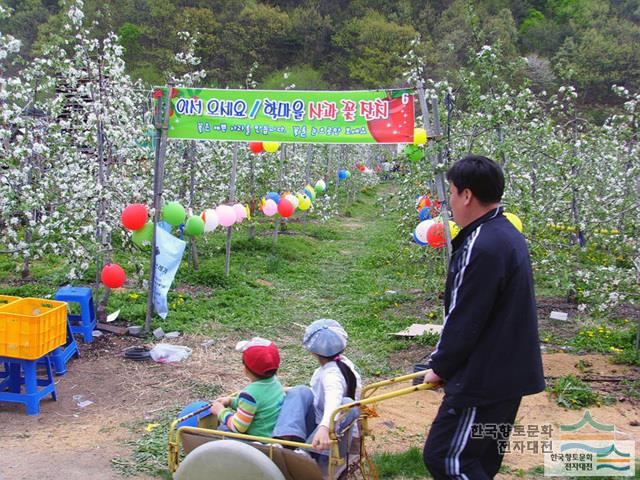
398	127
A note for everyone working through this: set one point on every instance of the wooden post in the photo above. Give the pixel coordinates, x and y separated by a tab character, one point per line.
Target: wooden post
279	188
191	156
307	179
437	161
161	121
252	193
232	198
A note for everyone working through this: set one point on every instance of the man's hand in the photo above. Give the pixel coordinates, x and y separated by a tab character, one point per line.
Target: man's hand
431	377
217	407
321	440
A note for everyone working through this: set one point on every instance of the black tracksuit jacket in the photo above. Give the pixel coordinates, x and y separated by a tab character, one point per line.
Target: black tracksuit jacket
489	350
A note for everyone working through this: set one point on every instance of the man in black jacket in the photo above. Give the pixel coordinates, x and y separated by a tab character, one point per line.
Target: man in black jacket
488	356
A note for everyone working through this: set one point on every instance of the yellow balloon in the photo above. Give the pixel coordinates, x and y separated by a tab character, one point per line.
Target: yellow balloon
419	136
454	229
304	203
514	220
270	146
312	191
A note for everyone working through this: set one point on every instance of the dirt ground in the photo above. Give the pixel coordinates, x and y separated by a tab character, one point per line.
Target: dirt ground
68	442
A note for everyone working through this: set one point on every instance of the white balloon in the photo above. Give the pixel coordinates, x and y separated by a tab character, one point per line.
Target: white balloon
210	219
422	229
293	199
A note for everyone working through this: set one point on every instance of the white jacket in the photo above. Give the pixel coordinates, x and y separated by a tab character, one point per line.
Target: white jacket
329	388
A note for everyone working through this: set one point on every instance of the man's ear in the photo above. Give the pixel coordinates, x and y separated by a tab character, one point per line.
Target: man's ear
468	196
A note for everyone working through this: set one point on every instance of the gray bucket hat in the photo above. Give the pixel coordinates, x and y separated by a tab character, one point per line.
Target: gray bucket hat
325	337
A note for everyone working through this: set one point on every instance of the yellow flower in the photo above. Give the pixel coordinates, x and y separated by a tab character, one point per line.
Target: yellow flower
151	426
133	296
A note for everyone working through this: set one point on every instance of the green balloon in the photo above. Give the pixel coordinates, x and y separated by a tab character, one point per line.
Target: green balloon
144	236
173	213
414	153
194	226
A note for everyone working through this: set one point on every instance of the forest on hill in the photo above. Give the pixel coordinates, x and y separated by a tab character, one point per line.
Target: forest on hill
348	44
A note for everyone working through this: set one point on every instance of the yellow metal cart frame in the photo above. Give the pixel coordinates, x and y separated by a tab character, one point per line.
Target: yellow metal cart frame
271	446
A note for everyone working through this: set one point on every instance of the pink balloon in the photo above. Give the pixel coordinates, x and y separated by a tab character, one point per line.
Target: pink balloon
270	208
226	215
241	212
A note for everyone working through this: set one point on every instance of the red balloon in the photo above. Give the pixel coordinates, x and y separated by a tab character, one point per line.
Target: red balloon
285	208
134	217
435	235
113	275
362	168
256	147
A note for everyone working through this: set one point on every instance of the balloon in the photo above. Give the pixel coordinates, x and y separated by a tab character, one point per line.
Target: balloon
210	219
419	136
194	226
417	240
293	199
361	167
256	147
321	186
435	235
134	216
285	208
270	208
173	213
454	229
240	211
413	153
420	231
112	275
514	220
271	146
143	236
342	174
348	174
425	213
273	196
226	215
304	202
311	192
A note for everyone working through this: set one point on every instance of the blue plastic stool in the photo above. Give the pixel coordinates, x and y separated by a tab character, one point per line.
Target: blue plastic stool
85	323
24	372
61	355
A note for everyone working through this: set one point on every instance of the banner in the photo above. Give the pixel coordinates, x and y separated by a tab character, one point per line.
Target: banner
291	116
170	250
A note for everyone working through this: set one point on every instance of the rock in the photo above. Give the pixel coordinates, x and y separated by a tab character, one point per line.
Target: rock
158	333
172	335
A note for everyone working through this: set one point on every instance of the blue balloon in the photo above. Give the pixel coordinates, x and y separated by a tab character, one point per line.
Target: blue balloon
425	214
308	193
192	407
417	240
342	174
273	196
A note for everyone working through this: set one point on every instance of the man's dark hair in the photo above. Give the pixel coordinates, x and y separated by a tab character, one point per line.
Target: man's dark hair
479	174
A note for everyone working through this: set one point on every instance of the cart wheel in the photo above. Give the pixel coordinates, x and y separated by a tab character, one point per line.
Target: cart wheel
227	459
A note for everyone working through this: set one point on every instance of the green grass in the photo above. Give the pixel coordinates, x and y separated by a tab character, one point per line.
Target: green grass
404	465
571	392
149	451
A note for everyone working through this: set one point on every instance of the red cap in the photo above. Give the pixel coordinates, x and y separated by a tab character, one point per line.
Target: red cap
261	357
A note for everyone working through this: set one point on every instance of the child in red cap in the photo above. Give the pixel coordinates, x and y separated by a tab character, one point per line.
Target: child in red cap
256	408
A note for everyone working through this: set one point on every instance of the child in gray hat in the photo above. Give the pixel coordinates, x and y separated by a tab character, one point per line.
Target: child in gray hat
306	411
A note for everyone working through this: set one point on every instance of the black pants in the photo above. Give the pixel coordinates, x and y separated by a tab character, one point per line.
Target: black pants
468	443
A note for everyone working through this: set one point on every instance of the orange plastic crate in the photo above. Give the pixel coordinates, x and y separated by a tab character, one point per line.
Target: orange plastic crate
5	299
32	327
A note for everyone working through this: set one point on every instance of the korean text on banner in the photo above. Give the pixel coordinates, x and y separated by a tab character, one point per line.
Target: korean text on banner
170	250
291	116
